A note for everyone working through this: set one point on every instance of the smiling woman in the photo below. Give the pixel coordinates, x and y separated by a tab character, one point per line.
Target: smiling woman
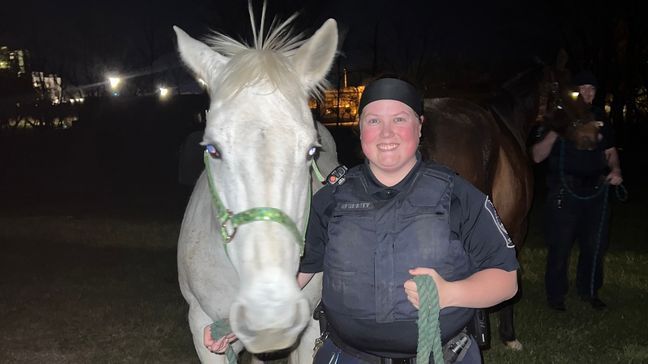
389	132
389	135
392	218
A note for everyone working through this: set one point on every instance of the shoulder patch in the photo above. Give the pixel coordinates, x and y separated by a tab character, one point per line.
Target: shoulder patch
488	205
337	175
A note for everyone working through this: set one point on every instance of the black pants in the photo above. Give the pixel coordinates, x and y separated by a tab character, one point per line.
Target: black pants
568	219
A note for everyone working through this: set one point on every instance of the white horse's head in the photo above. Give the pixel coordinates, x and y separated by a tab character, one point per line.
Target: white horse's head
262	136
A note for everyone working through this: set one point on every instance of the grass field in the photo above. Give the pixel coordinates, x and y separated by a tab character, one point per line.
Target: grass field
88	275
104	290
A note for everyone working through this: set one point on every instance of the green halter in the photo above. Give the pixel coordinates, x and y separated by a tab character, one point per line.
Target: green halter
229	221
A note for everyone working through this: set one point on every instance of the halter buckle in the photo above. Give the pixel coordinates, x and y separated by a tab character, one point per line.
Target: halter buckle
228	229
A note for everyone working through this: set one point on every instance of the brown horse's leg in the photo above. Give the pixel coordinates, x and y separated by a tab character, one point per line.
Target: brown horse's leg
506	324
506	321
512	188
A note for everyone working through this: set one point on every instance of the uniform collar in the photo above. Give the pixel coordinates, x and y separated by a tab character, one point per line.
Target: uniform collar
379	190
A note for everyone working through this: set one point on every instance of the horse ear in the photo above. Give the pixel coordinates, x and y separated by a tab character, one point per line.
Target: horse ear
315	57
201	59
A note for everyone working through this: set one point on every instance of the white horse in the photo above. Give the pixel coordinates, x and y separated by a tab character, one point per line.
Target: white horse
260	138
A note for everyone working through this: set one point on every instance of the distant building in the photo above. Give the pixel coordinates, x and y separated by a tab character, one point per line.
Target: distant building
19	79
48	87
338	106
14	62
4	58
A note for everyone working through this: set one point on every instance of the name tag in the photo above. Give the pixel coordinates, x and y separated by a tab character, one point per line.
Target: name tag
356	206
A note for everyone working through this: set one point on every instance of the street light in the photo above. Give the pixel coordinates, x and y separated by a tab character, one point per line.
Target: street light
164	92
114	82
574	95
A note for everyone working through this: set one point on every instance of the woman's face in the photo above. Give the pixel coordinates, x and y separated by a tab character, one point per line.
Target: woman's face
389	134
587	92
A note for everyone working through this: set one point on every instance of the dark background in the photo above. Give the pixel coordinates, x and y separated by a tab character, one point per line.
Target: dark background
435	43
122	147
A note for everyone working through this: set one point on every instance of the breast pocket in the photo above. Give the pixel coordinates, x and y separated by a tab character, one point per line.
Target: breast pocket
352	238
424	234
347	292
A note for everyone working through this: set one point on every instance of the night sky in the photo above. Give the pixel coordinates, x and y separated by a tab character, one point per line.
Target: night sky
84	40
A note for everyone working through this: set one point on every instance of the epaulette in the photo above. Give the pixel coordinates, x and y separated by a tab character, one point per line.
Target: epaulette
440	170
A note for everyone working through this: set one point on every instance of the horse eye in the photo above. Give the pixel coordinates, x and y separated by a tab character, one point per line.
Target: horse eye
311	153
213	152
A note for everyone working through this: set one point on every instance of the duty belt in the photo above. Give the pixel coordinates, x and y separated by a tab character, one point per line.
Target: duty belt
453	350
370	358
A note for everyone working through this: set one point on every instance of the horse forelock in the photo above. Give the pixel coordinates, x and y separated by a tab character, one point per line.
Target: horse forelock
267	61
257	69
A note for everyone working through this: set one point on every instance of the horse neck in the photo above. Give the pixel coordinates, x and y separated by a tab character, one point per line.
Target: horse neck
510	115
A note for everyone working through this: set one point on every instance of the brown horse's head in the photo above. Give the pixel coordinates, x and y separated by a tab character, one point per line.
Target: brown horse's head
561	108
585	136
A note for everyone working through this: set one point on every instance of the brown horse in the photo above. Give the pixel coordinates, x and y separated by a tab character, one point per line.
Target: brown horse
486	143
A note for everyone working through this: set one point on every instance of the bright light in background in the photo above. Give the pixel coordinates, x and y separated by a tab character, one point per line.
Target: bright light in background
114	82
574	95
164	92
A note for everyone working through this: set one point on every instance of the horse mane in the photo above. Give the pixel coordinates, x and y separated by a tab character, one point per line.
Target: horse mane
525	86
268	59
516	102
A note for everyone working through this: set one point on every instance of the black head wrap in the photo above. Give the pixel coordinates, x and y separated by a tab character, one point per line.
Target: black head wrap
585	78
392	89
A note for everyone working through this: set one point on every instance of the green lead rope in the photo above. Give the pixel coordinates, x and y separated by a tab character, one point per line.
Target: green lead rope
429	331
219	329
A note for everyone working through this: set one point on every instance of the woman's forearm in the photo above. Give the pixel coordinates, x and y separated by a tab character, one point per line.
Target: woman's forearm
485	288
540	150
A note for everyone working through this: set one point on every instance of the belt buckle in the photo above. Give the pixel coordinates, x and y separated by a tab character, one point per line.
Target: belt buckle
397	361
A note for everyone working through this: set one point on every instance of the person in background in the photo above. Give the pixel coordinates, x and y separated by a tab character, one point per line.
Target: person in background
575	207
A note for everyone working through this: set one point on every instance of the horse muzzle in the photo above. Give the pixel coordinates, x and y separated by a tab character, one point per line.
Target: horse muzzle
264	326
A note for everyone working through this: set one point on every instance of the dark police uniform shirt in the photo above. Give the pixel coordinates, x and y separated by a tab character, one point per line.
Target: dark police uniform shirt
473	221
584	169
